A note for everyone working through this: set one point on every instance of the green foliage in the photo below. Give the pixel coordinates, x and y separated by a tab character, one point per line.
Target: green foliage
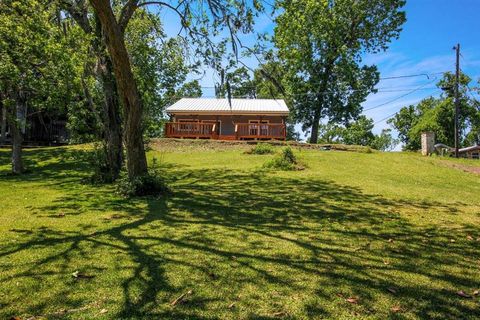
357	133
150	184
238	82
437	115
262	148
384	141
321	44
160	69
286	161
269	79
38	59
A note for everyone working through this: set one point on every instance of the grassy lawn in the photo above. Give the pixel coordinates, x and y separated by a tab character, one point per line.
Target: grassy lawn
354	236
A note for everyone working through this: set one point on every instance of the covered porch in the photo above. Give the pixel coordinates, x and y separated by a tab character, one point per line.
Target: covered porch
212	130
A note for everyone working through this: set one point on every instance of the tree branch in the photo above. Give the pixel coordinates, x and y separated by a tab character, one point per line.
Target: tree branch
127	13
79	13
161	3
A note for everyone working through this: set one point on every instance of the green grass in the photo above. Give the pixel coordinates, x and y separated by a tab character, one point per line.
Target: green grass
390	229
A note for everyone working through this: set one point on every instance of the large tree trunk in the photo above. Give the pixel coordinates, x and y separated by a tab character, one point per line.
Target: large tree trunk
315	126
17	120
112	120
317	115
132	105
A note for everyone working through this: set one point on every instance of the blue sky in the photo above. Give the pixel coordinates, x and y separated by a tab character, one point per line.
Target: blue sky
432	29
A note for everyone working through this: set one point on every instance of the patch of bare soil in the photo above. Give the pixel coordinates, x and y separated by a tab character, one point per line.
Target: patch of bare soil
463	167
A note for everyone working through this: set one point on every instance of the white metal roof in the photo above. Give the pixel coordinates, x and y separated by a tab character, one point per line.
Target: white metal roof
221	106
472	148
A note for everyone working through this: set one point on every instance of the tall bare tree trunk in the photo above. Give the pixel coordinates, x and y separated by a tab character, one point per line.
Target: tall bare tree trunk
127	88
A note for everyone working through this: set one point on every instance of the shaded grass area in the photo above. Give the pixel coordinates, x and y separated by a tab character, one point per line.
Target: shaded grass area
389	230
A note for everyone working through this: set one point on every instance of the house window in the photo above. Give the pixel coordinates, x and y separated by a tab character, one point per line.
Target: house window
258	127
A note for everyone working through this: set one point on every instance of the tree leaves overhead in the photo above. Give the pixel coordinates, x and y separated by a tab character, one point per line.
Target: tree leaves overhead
37	56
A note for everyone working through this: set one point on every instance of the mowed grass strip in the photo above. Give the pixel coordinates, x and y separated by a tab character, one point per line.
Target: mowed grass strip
354	235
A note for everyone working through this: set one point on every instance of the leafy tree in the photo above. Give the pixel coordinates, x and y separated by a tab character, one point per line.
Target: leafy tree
403	122
322	44
160	68
330	133
37	65
237	83
357	133
87	120
200	19
437	115
269	78
190	89
384	141
267	82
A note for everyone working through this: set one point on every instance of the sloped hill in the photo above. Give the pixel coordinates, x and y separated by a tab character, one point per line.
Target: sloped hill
354	235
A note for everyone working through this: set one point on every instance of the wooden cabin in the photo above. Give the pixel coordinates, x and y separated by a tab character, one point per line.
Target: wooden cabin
239	119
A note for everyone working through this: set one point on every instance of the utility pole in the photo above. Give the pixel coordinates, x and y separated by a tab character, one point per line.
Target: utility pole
457	98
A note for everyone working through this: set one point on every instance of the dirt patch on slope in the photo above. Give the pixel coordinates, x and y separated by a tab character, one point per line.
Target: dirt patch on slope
463	167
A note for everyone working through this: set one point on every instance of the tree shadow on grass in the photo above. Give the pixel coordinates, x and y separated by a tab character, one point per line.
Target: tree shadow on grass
257	240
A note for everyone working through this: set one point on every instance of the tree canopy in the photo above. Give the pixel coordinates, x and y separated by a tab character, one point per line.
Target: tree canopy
322	43
359	133
40	65
437	115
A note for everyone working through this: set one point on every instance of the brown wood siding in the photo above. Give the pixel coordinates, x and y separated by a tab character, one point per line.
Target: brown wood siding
228	122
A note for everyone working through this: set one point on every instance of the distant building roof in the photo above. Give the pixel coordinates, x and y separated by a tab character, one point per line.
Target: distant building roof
221	106
472	148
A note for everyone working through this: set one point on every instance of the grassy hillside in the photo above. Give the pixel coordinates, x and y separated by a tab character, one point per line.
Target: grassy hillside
353	236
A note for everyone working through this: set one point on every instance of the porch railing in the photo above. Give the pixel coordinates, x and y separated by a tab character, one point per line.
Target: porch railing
190	130
260	131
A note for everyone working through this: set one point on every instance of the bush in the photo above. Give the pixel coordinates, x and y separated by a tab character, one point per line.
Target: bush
262	148
151	184
285	161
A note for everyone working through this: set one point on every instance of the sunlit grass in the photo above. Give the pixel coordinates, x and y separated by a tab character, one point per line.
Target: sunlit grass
398	233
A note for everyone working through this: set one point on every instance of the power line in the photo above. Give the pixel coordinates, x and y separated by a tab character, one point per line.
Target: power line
384	78
413	75
389	116
402	96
